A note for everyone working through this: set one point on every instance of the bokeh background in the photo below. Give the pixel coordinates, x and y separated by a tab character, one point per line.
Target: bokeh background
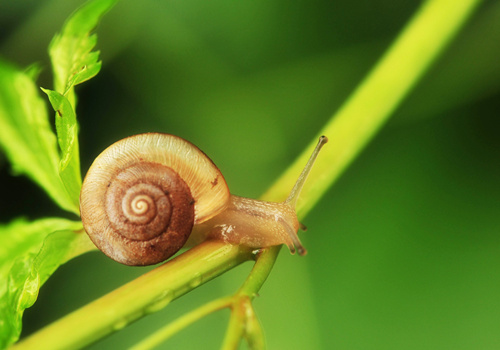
404	250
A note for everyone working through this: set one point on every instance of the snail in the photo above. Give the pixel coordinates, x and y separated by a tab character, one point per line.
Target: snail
145	195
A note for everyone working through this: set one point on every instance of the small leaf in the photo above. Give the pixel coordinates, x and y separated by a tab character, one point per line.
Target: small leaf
26	136
73	63
70	51
29	253
67	136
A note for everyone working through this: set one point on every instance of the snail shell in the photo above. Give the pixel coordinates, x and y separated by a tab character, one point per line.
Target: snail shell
143	194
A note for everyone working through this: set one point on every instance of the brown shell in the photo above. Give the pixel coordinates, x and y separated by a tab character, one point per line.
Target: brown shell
142	195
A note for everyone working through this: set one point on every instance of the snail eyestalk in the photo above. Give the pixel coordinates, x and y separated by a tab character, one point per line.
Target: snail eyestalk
294	194
297	244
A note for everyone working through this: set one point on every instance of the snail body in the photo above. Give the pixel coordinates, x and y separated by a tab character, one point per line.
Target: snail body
146	195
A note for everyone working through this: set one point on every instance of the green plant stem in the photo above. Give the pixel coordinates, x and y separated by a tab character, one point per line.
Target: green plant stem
245	294
349	131
243	324
260	271
235	329
243	321
182	322
148	293
372	103
253	329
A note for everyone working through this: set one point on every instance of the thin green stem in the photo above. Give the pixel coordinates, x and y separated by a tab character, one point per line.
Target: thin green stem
182	322
247	291
253	330
243	324
260	272
243	321
236	328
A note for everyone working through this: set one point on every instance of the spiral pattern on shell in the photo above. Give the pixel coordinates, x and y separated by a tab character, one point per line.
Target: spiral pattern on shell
141	197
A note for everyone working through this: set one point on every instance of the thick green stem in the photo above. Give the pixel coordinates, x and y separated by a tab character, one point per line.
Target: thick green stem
373	102
148	293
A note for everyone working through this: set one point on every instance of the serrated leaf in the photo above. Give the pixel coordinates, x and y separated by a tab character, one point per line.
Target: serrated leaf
26	136
73	62
67	136
70	51
29	253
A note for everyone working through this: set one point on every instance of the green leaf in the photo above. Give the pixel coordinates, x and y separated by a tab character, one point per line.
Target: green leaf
73	63
26	136
67	136
29	253
70	51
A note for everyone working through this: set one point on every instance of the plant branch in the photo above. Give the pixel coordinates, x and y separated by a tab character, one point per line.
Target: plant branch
260	271
146	294
243	324
241	299
235	328
182	322
376	98
253	330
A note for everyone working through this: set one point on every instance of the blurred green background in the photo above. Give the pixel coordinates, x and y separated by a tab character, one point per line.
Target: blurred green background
404	251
